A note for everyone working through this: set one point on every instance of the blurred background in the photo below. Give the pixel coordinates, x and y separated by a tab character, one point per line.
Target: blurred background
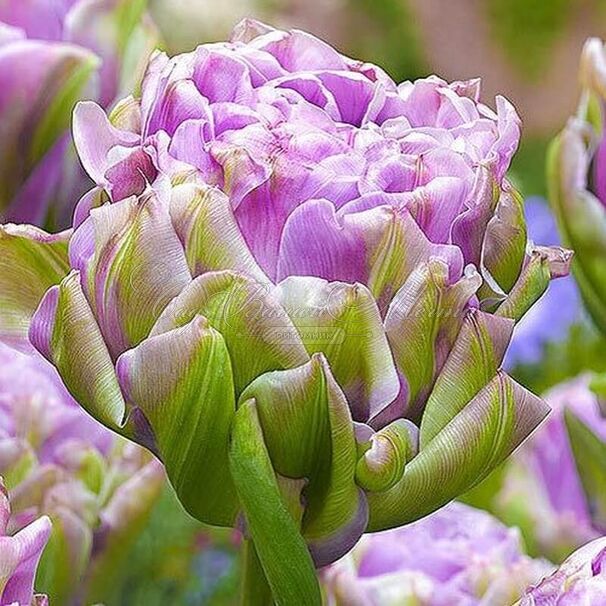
527	50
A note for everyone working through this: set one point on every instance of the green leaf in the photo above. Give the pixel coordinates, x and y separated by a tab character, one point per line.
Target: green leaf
280	547
308	431
590	457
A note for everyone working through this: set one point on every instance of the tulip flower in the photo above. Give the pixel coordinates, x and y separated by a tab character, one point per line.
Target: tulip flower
457	556
554	485
577	178
51	55
58	462
579	581
19	557
294	282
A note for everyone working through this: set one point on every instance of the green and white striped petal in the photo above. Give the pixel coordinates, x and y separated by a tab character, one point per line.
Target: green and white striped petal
343	322
258	334
181	381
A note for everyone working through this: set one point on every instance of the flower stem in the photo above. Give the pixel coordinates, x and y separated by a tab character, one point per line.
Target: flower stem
255	590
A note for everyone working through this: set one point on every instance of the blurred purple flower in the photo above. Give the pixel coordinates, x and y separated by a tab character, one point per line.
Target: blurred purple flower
457	556
579	581
52	53
552	315
543	482
19	557
60	462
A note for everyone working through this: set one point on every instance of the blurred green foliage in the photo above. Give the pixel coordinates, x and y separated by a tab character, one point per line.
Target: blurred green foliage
583	350
527	30
178	561
388	36
528	166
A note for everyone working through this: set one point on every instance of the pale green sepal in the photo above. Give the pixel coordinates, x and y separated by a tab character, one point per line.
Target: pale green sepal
473	361
590	457
481	436
284	557
31	261
182	382
259	335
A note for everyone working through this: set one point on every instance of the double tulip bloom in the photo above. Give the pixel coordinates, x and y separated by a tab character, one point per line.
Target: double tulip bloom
294	282
60	464
51	55
577	177
458	556
19	557
579	581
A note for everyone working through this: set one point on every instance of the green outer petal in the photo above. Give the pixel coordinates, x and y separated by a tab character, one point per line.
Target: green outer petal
428	312
280	547
343	322
543	265
31	261
480	437
182	382
382	465
309	434
504	245
472	363
138	267
402	245
590	457
204	221
259	335
79	353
